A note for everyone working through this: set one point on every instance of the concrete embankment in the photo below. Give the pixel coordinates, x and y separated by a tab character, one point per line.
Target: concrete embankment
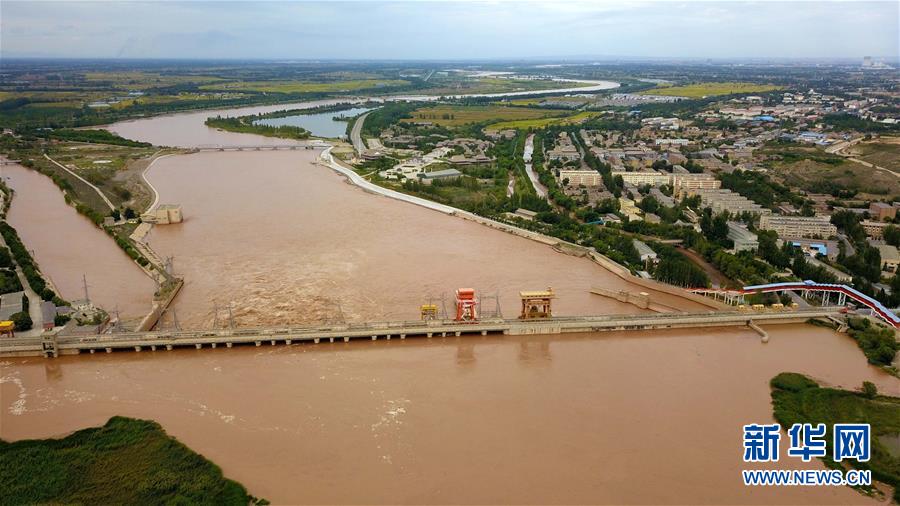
168	340
560	245
159	307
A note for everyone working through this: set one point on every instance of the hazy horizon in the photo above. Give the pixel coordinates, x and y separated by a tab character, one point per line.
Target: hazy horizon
375	30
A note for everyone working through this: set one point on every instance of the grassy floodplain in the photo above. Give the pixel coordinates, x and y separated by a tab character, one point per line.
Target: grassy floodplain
798	399
126	461
305	86
700	90
457	115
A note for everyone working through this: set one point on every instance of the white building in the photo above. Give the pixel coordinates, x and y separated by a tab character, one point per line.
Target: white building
581	177
743	239
685	183
798	226
651	177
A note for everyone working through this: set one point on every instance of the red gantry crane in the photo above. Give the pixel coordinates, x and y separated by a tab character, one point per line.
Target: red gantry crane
466	305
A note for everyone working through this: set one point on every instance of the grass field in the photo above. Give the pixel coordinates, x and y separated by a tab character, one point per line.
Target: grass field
884	152
456	115
700	90
548	102
816	175
126	461
137	80
545	122
798	399
458	84
306	86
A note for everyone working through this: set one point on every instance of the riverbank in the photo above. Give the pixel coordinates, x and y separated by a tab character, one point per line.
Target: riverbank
799	399
561	246
126	461
71	248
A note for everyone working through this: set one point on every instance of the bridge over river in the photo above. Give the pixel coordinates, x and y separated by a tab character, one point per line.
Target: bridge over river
51	346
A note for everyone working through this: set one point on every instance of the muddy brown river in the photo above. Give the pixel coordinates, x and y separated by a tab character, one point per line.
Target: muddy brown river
607	418
69	248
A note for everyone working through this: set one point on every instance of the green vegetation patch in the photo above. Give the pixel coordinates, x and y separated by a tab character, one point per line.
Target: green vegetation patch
884	153
878	343
306	87
456	115
126	461
245	124
96	137
700	90
798	399
572	119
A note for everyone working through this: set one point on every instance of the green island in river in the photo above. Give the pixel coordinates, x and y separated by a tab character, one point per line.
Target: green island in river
798	399
126	461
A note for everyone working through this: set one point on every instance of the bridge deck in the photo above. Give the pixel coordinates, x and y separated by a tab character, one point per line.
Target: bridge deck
387	330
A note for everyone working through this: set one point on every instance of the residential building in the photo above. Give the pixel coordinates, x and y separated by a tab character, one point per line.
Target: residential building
722	200
743	239
564	149
647	254
627	207
663	199
672	142
581	177
874	229
682	183
798	226
651	177
882	211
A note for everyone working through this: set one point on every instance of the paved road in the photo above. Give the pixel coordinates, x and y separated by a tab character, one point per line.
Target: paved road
356	134
841	147
34	302
83	180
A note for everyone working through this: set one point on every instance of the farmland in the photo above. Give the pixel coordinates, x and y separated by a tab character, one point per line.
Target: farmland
700	90
305	86
458	84
545	122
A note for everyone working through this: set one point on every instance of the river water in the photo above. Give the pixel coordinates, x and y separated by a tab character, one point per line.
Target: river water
608	418
320	125
68	246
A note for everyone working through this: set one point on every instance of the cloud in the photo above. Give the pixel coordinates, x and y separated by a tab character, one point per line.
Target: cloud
440	30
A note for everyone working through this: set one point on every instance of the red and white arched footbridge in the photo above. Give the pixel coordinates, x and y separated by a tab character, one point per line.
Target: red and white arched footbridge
843	292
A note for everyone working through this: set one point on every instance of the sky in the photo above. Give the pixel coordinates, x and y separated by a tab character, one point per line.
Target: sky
449	30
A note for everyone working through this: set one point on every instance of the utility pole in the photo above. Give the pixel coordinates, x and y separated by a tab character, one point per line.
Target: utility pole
87	298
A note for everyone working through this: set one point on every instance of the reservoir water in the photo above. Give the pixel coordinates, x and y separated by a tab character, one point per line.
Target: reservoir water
319	125
610	418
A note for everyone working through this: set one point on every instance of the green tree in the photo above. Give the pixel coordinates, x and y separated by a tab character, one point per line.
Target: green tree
869	390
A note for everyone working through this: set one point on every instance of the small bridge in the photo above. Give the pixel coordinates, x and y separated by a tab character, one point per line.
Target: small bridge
260	147
825	290
138	341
